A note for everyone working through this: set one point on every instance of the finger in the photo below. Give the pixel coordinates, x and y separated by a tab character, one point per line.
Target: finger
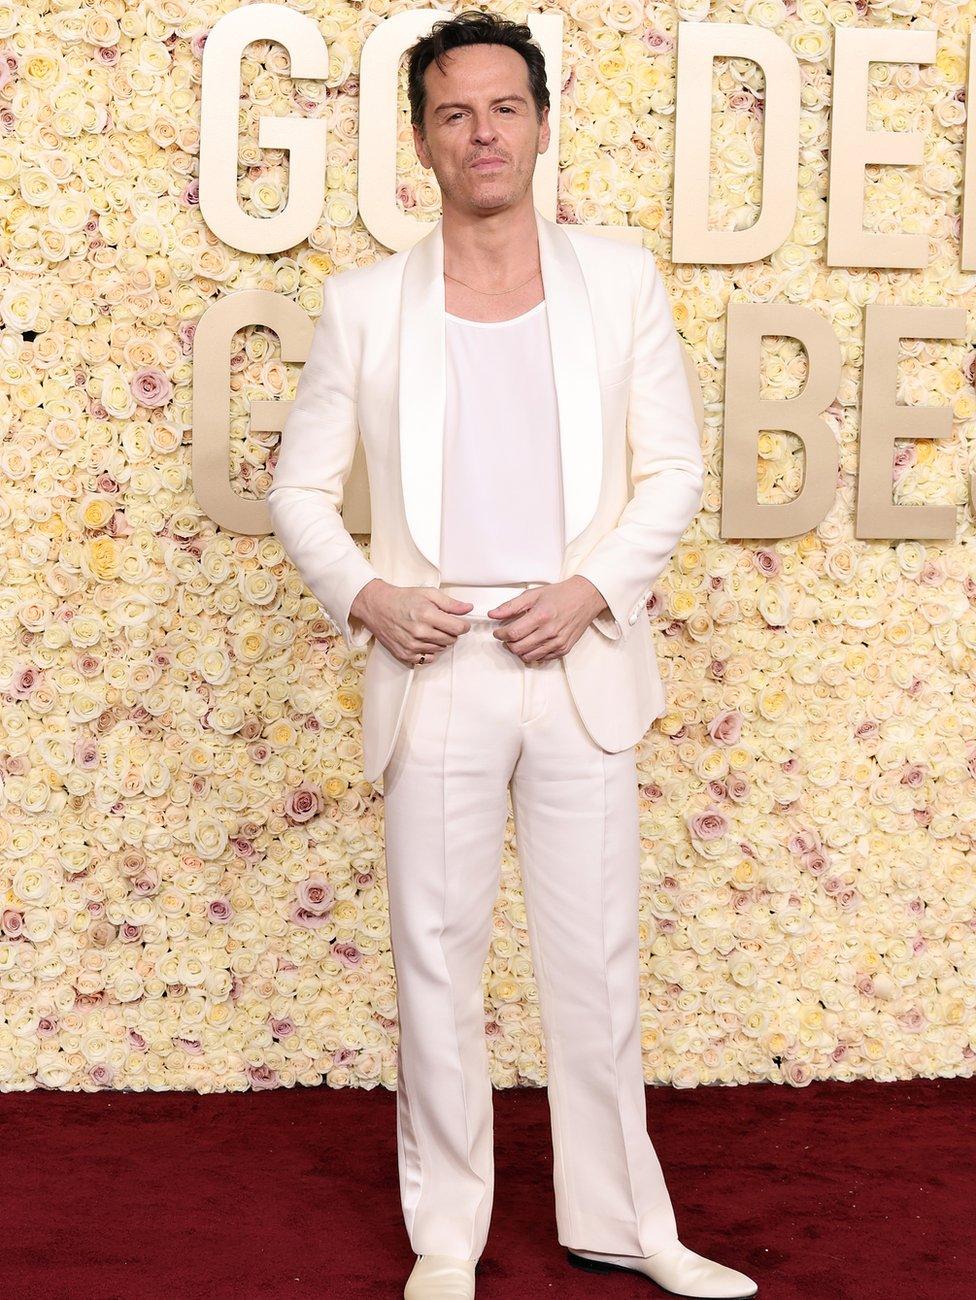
529	647
428	641
437	629
511	627
441	628
422	646
512	613
449	603
511	608
548	658
412	657
515	629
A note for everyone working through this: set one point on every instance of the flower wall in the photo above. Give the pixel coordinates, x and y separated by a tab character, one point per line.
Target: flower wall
192	877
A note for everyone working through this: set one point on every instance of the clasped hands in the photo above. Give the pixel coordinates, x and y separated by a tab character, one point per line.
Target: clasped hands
537	625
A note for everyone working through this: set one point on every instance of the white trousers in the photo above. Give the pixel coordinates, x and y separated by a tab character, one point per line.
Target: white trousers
478	720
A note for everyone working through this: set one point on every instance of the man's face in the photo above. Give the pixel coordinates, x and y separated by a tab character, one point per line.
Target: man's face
481	107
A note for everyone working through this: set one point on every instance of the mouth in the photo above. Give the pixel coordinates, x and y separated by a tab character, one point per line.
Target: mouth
486	164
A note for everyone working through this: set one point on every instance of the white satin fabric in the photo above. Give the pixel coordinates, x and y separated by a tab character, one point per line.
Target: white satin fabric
502	512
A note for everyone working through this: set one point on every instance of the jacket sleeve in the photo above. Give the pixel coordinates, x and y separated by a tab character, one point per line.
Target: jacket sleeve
318	444
667	468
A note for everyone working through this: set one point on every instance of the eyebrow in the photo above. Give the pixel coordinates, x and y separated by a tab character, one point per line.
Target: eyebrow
502	99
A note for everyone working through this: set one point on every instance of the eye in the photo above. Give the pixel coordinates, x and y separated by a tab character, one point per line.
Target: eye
506	108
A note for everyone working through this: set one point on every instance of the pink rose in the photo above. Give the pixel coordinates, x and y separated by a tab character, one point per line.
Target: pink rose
797	1073
102	933
302	803
902	461
738	787
185	332
310	920
657	42
262	1076
815	862
23	680
86	753
316	894
12	923
151	387
767	562
726	728
914	1020
801	842
710	824
147	882
348	954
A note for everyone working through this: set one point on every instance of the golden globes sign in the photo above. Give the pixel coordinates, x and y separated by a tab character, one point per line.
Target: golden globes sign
747	413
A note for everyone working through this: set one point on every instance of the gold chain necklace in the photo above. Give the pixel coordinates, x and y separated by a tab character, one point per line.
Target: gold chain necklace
493	292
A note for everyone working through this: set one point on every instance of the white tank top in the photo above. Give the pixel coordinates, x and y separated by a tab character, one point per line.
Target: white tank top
502	507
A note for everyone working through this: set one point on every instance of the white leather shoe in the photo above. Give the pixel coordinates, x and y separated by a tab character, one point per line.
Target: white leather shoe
441	1277
677	1269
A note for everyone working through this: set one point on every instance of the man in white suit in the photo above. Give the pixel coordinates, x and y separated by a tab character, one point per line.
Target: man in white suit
495	373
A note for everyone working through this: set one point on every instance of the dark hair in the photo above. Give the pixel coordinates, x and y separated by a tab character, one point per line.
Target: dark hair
473	27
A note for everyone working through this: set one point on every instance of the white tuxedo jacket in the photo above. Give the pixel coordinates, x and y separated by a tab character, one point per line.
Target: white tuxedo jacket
376	369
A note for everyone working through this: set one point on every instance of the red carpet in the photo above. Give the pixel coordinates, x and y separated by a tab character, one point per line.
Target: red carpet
856	1191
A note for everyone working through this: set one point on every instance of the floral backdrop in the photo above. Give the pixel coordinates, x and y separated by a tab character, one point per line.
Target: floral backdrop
192	877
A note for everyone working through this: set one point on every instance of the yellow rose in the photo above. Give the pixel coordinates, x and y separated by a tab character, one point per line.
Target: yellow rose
103	558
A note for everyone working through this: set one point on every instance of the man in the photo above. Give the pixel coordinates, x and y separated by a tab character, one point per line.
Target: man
491	371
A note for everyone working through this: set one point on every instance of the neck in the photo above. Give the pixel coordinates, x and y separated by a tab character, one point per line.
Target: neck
490	250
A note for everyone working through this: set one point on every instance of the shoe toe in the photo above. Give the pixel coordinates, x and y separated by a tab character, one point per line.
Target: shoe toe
440	1277
694	1275
679	1270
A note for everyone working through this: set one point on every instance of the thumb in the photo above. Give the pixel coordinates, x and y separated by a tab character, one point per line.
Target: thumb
449	603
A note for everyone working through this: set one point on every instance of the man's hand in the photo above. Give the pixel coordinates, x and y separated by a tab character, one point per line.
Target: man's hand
410	621
544	622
